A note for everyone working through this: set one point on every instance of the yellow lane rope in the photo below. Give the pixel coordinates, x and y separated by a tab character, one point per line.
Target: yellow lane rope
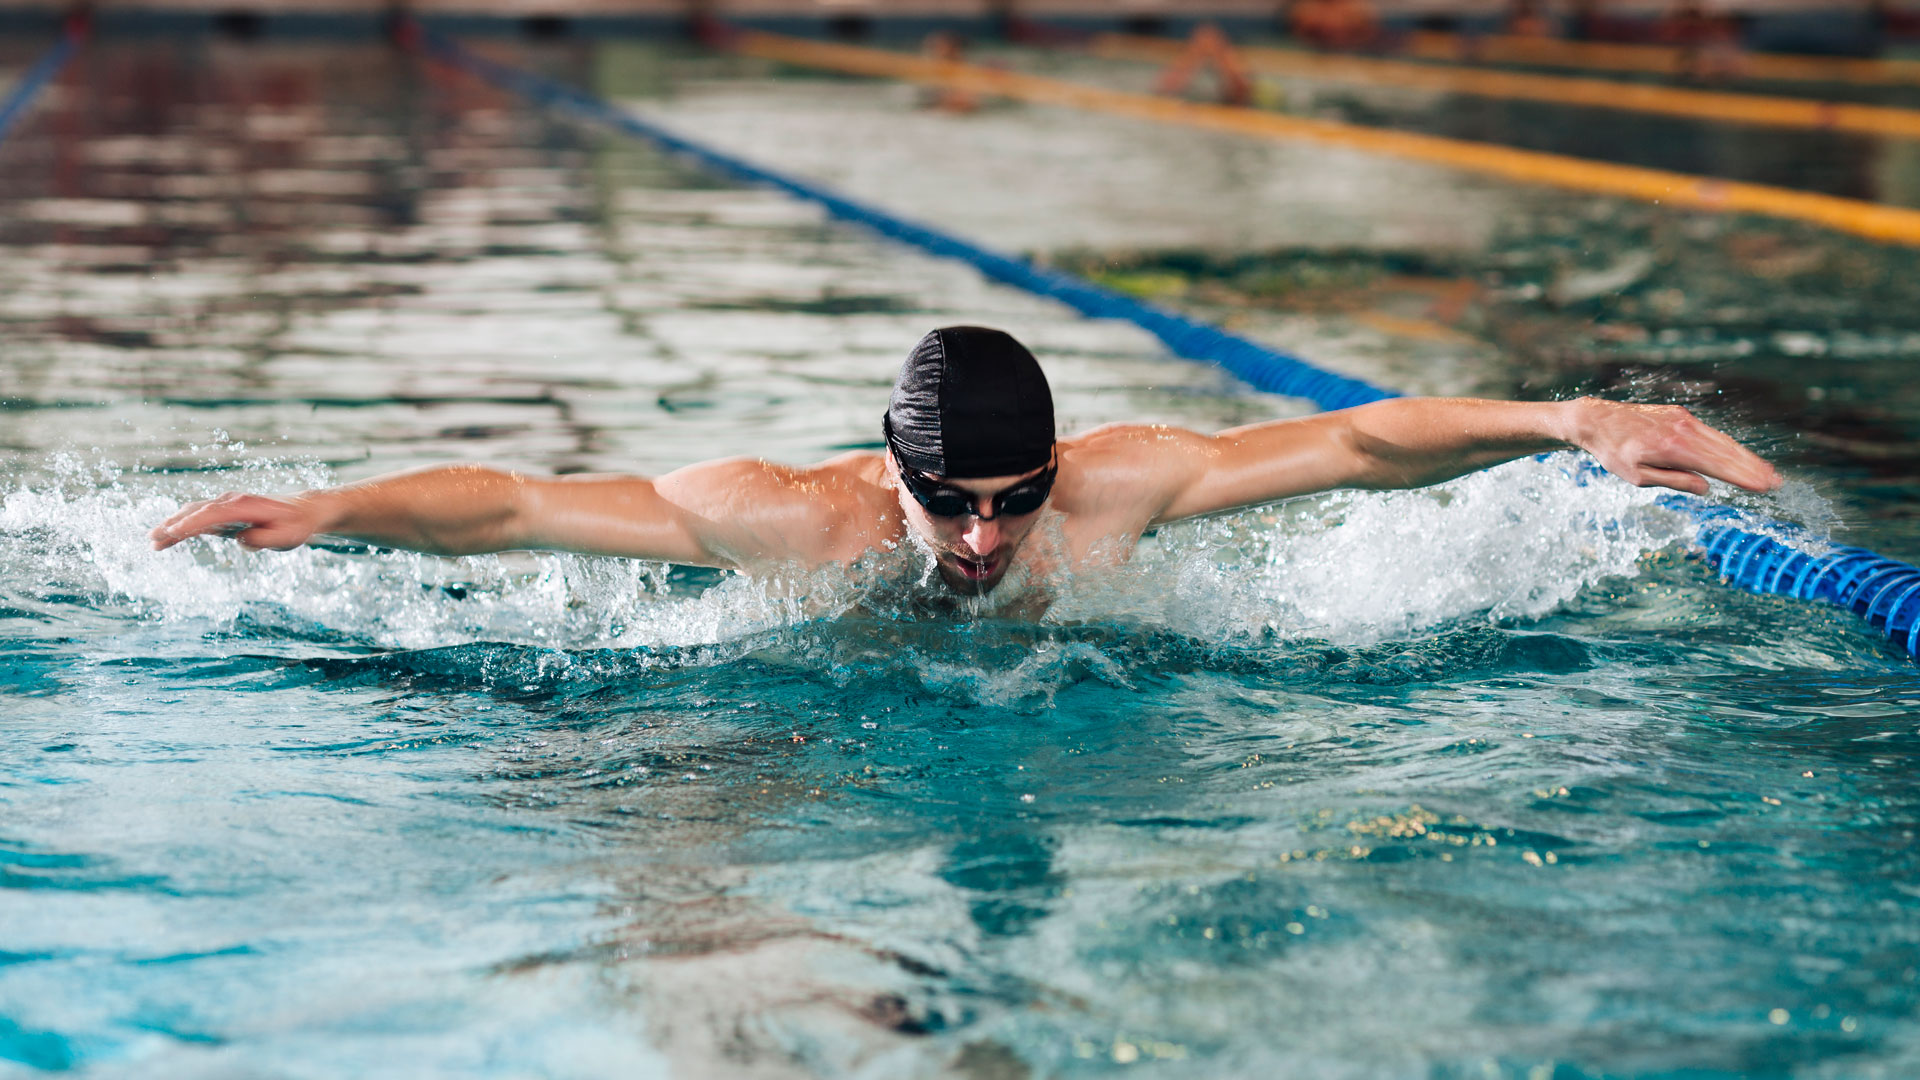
1657	59
1558	89
1873	220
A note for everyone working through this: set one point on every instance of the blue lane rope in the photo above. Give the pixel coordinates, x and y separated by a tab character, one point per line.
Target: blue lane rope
37	77
1883	591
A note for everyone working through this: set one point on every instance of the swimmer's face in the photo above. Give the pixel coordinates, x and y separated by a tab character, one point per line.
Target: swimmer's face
973	553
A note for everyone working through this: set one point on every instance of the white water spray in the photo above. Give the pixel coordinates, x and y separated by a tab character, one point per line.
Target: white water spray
1513	542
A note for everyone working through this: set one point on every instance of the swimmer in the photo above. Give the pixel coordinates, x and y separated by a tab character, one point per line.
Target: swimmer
971	467
1333	24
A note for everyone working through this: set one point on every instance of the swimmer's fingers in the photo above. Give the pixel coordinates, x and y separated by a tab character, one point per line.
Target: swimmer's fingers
1666	446
188	522
1708	451
1677	479
169	532
254	520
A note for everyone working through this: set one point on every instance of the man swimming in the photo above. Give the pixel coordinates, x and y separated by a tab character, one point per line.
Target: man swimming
971	467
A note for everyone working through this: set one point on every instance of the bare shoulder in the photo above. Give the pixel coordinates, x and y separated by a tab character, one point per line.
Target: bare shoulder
1131	443
722	478
761	509
1128	453
1127	468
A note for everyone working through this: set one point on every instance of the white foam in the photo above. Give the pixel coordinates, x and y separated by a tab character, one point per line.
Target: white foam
1513	542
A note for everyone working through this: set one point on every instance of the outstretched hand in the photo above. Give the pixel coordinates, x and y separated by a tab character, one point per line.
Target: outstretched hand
257	521
1666	446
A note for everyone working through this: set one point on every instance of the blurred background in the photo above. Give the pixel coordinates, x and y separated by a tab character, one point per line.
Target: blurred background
1837	27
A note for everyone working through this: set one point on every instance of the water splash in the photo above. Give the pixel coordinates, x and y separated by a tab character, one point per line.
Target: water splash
1351	567
1514	542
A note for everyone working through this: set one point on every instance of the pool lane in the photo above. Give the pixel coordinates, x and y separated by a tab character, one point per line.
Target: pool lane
372	815
1258	365
1639	97
1716	194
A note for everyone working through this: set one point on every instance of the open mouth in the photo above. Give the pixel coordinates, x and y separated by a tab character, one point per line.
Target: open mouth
977	570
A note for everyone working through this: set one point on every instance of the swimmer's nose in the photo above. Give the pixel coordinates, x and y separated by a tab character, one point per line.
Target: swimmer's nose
983	536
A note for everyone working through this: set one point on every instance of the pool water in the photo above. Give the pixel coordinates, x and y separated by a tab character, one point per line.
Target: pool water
1491	780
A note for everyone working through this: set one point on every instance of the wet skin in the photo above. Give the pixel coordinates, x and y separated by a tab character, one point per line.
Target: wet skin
972	552
1113	484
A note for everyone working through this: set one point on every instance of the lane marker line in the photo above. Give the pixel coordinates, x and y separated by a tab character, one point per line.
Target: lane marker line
1555	89
1876	221
1655	59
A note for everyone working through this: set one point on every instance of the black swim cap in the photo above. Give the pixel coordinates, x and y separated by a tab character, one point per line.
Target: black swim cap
970	402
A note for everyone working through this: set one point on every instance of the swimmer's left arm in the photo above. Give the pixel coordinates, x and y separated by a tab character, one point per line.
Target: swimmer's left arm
1414	442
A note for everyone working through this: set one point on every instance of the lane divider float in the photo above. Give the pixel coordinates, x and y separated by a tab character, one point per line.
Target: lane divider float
1884	591
1554	89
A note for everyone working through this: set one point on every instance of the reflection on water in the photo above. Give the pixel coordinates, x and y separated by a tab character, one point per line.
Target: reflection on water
423	266
1491	780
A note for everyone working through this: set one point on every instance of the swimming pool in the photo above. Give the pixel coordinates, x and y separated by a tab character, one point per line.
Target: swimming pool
1493	780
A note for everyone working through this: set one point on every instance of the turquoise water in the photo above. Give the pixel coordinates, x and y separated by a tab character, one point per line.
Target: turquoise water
1493	780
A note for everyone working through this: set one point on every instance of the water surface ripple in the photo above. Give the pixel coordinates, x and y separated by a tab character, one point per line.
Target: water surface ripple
1487	780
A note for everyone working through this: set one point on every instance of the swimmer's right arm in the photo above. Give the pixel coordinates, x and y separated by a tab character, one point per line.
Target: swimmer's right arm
702	515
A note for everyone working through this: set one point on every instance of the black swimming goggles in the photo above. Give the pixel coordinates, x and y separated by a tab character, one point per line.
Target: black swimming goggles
940	500
943	501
